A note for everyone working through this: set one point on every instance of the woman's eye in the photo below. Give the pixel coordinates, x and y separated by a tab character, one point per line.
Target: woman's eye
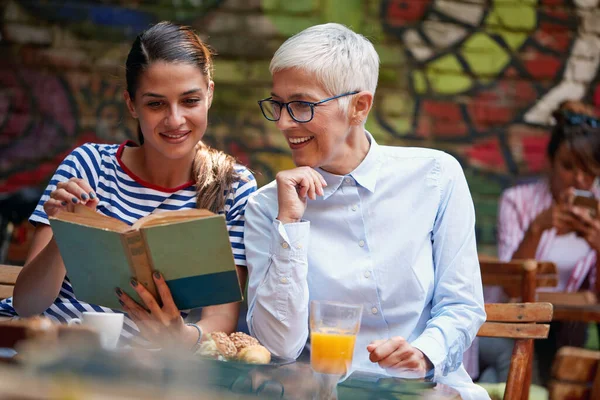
568	166
191	101
154	104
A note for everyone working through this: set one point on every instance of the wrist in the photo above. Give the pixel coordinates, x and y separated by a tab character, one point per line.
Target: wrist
287	220
195	332
536	228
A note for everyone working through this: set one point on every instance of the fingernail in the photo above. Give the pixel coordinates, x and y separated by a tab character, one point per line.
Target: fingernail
133	282
64	203
84	197
92	195
74	200
119	292
157	274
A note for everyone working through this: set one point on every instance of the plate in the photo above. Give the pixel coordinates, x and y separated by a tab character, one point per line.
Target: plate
275	362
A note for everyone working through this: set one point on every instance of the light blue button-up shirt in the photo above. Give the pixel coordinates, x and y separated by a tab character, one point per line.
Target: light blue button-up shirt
396	235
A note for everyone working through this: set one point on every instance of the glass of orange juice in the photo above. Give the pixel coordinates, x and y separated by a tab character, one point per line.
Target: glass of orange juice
333	330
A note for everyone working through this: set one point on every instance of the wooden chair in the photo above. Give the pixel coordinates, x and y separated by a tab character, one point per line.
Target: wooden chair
523	322
519	278
8	277
575	374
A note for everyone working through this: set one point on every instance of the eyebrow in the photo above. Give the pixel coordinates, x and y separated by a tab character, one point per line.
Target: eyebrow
191	91
296	96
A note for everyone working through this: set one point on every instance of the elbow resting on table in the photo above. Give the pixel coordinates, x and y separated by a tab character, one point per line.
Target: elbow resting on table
279	344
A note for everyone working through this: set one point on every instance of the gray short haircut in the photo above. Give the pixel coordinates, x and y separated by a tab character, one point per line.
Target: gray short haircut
341	60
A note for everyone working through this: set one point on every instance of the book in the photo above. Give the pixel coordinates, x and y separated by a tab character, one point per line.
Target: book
190	248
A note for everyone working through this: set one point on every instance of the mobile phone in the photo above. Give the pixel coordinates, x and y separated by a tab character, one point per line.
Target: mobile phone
586	199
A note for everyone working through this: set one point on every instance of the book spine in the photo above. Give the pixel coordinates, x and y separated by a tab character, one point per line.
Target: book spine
140	262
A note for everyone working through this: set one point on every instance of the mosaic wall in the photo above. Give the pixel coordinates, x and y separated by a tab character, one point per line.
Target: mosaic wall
477	78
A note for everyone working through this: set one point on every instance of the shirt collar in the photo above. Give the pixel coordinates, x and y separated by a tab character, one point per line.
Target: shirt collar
365	174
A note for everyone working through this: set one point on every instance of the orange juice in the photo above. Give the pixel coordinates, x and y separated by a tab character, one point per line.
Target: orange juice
331	353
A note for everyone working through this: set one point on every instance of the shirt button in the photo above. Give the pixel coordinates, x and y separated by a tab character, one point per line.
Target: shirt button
361	243
367	274
283	280
285	245
354	208
374	310
348	181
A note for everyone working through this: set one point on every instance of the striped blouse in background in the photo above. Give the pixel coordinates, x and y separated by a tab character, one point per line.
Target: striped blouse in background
518	208
125	196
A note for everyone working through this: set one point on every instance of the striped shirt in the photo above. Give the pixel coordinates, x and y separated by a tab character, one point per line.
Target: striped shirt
125	196
519	206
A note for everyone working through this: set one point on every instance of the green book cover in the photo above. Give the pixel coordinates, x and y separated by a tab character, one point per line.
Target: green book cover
190	248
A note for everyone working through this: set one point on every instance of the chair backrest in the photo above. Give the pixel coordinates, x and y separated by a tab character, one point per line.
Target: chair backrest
8	277
575	374
518	278
523	322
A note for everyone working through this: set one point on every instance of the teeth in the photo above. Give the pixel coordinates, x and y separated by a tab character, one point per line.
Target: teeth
299	140
174	136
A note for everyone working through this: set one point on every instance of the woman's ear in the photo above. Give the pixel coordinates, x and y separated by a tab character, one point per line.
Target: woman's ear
211	89
129	103
361	105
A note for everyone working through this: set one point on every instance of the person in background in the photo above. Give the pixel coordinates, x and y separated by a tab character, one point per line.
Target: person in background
169	91
538	221
390	228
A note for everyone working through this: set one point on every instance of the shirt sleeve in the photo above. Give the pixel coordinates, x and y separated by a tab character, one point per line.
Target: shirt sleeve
510	231
78	164
277	259
457	309
235	209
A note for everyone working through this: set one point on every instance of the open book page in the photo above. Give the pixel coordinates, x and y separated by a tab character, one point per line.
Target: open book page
196	259
83	215
169	217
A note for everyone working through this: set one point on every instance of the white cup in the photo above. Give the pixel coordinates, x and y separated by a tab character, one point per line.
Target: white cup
108	325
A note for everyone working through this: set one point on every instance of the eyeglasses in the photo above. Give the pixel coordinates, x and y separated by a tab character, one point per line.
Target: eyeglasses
300	111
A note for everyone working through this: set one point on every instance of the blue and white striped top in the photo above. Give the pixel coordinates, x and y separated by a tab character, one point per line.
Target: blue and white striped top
125	196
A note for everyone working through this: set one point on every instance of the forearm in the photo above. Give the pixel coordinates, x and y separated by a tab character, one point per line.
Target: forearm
597	282
39	282
220	318
449	335
281	322
528	246
278	297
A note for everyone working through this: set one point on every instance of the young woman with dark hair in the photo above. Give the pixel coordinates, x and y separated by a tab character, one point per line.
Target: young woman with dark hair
169	91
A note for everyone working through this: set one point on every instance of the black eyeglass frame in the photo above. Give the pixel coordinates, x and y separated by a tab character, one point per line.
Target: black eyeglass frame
311	104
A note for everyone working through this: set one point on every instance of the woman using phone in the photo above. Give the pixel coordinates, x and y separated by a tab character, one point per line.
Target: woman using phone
542	221
169	92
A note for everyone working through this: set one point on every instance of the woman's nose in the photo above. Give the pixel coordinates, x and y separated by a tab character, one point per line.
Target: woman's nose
174	119
285	120
581	180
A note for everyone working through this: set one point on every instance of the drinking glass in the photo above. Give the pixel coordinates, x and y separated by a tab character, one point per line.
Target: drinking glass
333	330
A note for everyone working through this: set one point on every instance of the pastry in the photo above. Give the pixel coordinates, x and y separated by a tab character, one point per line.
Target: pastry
255	354
217	345
242	340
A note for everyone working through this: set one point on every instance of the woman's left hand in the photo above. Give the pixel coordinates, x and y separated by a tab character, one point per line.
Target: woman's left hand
587	226
162	326
396	355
